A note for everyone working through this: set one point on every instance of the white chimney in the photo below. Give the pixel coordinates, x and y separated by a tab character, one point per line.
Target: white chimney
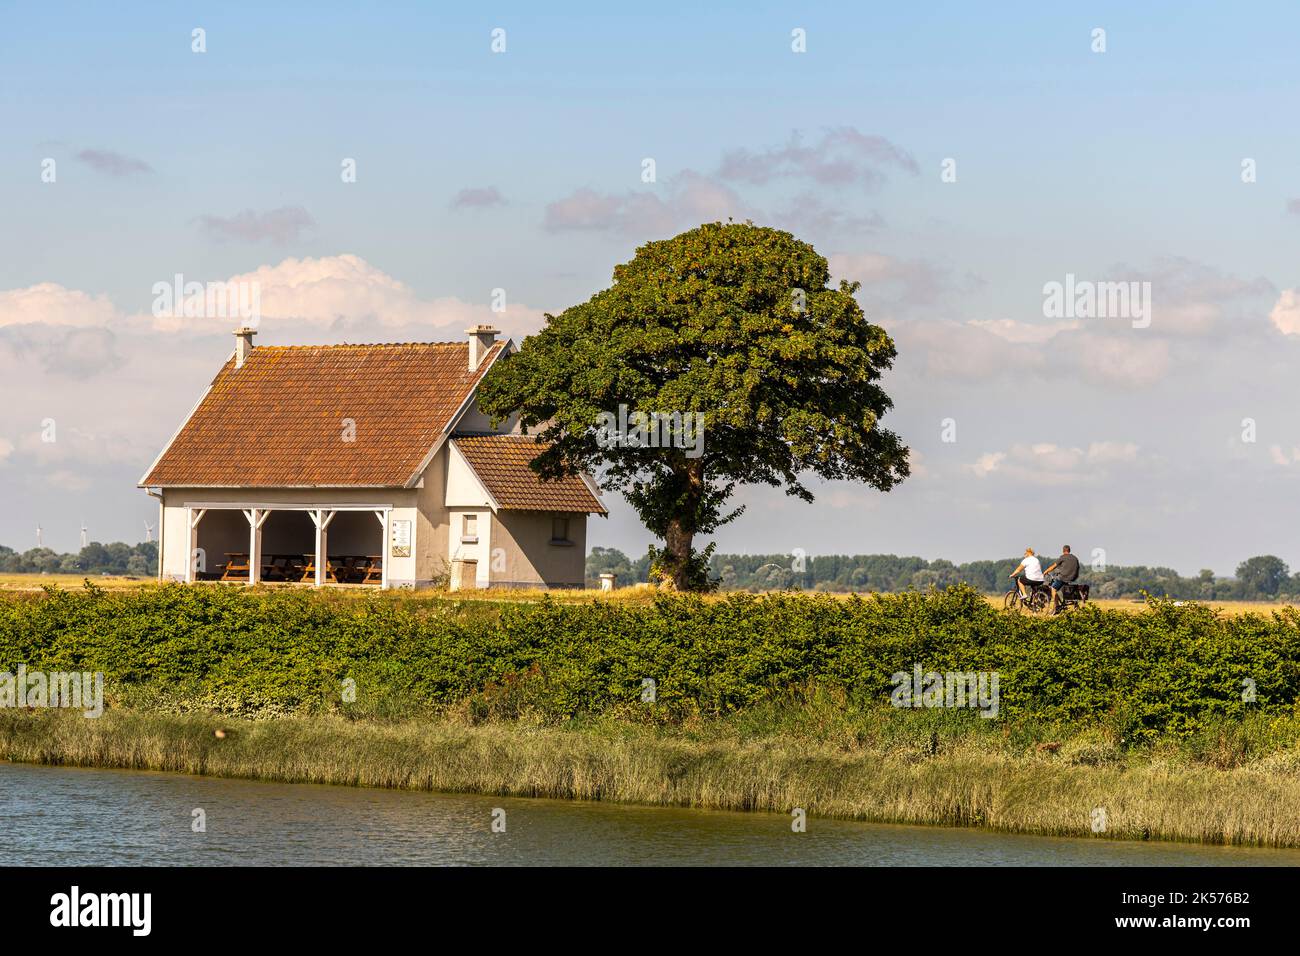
243	345
481	338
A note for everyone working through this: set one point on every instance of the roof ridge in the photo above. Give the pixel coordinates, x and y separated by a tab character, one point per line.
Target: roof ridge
362	345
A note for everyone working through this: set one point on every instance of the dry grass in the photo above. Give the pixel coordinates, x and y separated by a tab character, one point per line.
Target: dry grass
965	784
636	594
34	582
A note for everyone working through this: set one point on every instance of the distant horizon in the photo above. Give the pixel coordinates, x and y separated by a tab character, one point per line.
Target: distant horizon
634	556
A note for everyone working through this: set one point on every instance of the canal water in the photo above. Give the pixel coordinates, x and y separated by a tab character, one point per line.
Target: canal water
55	815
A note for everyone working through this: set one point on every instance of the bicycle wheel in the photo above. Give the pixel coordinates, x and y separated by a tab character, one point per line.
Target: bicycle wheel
1011	600
1039	600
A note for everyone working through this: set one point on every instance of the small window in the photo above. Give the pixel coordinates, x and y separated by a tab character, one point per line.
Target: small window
560	530
469	529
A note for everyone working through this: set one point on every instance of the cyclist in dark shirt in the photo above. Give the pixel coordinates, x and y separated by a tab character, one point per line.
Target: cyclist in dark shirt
1067	572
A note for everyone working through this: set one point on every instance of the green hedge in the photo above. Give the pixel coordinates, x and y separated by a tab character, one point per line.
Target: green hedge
1165	669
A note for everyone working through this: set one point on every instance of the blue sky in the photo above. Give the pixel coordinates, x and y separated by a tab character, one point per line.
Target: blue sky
1117	165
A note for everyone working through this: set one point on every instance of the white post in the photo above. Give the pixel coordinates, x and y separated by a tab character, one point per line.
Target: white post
190	539
192	519
256	518
322	519
162	535
383	549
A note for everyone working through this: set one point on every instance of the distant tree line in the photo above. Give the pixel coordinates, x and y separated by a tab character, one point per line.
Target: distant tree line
1263	578
136	560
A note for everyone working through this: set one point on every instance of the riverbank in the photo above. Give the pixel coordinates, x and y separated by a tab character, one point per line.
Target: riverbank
1082	787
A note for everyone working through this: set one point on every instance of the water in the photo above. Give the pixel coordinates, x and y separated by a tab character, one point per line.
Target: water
54	815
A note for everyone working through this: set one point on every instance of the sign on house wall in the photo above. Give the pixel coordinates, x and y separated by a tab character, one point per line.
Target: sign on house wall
400	539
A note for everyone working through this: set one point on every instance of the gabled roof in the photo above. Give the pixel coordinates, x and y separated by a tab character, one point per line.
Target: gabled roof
282	420
501	462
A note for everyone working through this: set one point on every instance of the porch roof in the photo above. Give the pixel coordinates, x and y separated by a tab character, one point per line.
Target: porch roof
501	463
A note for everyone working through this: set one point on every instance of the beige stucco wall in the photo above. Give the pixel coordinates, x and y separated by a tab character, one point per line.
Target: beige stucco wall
525	557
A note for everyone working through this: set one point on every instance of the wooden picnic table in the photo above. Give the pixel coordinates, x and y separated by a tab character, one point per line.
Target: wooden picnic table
236	561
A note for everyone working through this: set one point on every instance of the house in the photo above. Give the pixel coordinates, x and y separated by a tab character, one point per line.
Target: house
363	464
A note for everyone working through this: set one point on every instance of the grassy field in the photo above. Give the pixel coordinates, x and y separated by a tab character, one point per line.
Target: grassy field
637	594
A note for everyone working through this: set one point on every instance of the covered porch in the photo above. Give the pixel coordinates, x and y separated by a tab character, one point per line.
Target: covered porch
254	543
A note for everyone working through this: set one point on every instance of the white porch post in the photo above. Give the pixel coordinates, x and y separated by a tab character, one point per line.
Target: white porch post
321	519
383	549
256	518
192	519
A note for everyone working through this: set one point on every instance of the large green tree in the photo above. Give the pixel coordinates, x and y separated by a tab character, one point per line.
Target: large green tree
1262	575
737	323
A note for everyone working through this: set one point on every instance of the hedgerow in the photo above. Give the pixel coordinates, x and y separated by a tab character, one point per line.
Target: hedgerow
1167	669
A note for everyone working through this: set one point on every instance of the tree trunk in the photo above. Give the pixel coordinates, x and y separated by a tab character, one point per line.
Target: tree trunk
681	528
677	543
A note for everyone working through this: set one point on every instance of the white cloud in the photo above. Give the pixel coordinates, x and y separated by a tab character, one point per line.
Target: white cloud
48	303
841	157
688	199
1047	463
347	293
1285	314
1024	333
1134	359
283	225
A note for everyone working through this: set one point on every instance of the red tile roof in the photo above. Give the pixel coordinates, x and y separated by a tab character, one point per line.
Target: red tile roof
502	464
280	420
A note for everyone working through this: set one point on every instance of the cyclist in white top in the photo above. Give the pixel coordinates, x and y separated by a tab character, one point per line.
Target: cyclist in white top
1033	572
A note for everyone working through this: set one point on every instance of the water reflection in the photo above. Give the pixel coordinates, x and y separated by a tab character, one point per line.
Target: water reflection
108	817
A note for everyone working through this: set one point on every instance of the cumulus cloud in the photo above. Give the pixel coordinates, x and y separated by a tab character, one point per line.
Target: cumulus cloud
947	350
682	201
48	303
1024	333
809	216
82	353
113	164
893	286
348	294
279	226
1285	314
1047	463
477	198
1122	360
344	295
842	157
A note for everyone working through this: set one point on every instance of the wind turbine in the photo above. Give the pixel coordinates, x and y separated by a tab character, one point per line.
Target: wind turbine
84	540
148	532
40	542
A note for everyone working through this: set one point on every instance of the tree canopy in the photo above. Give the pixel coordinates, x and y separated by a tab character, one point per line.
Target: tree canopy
736	324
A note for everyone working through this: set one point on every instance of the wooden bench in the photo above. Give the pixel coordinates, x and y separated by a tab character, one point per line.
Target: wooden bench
236	567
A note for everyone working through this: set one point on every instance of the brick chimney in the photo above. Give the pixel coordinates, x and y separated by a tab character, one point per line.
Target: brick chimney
481	338
243	345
